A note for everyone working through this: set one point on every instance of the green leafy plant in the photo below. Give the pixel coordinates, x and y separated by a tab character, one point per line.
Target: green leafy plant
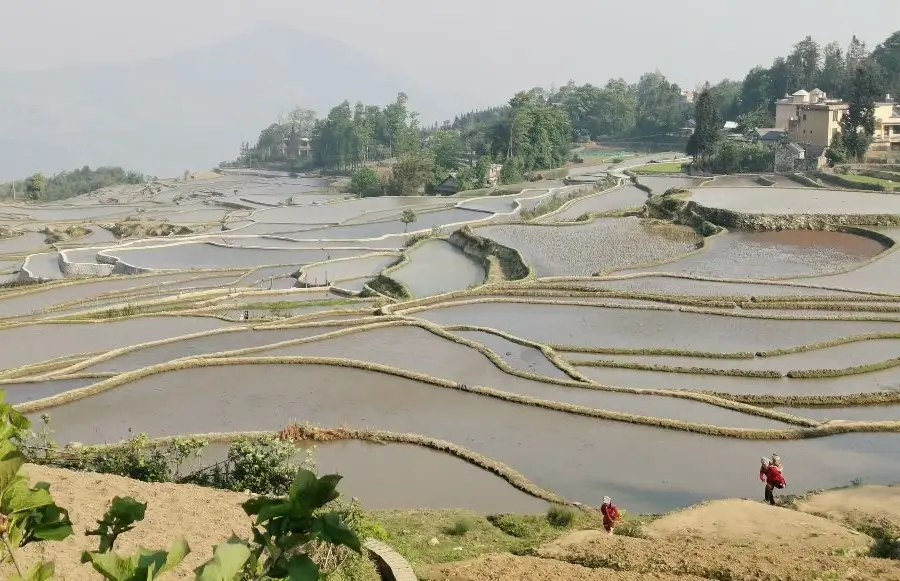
27	514
561	516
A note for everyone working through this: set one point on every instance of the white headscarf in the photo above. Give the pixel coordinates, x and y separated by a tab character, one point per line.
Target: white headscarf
764	460
607	500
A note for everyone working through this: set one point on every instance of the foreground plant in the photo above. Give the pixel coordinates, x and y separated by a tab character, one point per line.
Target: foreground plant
286	531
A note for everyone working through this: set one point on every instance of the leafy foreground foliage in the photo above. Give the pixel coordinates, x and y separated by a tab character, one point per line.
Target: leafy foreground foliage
286	531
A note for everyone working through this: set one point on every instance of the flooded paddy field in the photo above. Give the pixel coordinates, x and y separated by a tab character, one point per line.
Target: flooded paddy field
438	267
780	254
543	373
603	245
555	450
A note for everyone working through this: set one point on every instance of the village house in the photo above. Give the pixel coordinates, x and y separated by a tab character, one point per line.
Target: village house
813	119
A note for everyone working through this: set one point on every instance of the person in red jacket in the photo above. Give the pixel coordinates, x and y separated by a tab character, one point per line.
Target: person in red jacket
610	515
770	473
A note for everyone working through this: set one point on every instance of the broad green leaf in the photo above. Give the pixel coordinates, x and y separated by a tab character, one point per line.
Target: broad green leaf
145	565
51	523
325	490
19	498
11	460
119	518
274	510
113	566
227	562
334	530
40	572
253	506
303	486
302	568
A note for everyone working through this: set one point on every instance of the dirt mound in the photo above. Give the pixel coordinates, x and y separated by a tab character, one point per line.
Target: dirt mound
204	516
132	229
511	567
853	504
747	520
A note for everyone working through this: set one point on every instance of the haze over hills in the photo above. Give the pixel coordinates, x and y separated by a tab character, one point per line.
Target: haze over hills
190	110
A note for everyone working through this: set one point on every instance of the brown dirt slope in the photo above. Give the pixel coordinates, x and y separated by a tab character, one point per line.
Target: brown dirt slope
205	517
733	540
851	504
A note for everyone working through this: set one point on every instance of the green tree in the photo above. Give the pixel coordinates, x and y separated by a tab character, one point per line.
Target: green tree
706	134
833	74
659	108
887	56
805	62
757	90
837	152
858	124
408	217
447	149
35	186
364	180
755	119
726	97
410	173
482	169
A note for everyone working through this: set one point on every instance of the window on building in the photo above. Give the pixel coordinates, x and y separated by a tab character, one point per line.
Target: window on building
804	116
834	115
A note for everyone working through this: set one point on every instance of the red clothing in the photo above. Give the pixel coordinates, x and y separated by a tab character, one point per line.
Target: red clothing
610	515
772	475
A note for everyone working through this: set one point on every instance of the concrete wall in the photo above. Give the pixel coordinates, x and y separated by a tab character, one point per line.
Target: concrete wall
83	268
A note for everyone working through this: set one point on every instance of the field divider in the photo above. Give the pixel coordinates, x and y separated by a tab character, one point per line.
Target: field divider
812	429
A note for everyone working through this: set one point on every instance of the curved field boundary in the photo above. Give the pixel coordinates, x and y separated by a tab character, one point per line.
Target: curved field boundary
301	275
620	183
298	433
815	429
47	367
685	309
702	247
684	276
501	263
806	401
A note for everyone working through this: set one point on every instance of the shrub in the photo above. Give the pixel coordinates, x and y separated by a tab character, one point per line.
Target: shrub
261	465
365	181
460	527
561	517
510	524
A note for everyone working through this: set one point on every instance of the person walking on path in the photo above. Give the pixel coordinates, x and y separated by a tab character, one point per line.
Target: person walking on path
610	515
770	473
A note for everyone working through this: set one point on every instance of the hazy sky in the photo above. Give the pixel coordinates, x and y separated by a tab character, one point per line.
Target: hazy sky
493	46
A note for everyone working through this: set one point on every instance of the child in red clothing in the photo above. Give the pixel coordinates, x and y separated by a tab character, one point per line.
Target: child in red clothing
610	515
770	472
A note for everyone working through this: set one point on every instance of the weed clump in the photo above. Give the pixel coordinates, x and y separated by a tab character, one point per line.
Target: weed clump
459	527
561	517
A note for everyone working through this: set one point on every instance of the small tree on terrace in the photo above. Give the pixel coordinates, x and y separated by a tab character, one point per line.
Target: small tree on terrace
858	124
35	186
364	180
408	217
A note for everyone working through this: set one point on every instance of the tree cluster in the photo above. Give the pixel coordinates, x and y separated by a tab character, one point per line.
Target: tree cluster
68	184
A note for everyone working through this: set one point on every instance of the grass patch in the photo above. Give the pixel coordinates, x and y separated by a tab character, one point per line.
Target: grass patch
409	532
562	517
287	305
863	179
651	168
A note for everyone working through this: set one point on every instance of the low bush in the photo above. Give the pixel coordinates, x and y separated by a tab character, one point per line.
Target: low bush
511	524
561	516
459	527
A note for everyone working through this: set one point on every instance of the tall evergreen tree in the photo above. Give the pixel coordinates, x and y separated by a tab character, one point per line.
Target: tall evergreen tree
858	124
706	134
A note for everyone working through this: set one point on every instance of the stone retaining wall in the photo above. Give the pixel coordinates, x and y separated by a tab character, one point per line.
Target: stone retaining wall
391	564
83	268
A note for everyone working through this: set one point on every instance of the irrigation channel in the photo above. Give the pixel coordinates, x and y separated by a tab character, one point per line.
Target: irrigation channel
472	358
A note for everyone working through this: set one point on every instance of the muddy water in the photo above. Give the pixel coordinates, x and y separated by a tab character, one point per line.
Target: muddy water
595	326
849	355
887	379
761	200
497	205
557	451
619	199
191	216
56	340
44	266
870	277
27	391
38	300
660	184
208	256
340	211
518	356
366	266
417	350
766	255
201	346
407	476
424	221
686	286
27	242
438	267
871	413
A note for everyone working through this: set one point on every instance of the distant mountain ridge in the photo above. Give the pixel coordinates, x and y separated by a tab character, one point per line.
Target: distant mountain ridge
190	110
